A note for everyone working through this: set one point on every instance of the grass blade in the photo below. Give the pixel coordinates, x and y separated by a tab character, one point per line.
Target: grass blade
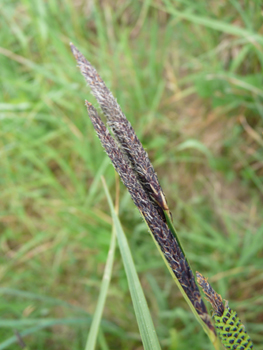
40	324
143	316
214	24
94	329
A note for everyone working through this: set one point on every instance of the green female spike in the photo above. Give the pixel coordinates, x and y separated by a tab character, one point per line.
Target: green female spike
231	331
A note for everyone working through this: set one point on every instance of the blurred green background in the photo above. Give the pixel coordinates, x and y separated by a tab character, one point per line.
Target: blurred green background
188	75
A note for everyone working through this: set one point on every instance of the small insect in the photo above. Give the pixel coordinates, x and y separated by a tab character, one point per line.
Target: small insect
231	331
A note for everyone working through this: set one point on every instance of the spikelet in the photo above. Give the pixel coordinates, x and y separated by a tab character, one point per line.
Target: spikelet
136	172
157	226
124	133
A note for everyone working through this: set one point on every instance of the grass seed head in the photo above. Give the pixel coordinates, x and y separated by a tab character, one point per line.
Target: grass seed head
136	172
124	133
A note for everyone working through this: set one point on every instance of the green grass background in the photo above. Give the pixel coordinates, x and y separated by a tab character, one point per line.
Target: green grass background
188	75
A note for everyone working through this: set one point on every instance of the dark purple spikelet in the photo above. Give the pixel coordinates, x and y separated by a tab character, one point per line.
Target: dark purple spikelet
136	172
154	220
124	133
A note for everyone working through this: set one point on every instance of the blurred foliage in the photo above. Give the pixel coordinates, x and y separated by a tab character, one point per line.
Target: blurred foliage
188	75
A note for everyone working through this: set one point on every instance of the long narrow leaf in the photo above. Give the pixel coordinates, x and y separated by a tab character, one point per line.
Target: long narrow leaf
94	329
143	316
47	323
212	23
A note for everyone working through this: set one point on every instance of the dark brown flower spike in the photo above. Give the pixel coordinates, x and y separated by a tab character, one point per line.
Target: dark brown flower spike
124	133
157	226
136	172
211	295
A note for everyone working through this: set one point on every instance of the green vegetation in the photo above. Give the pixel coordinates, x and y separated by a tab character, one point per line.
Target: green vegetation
188	76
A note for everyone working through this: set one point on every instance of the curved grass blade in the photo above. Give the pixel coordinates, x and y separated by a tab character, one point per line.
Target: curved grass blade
143	316
94	329
40	324
42	298
174	232
212	23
